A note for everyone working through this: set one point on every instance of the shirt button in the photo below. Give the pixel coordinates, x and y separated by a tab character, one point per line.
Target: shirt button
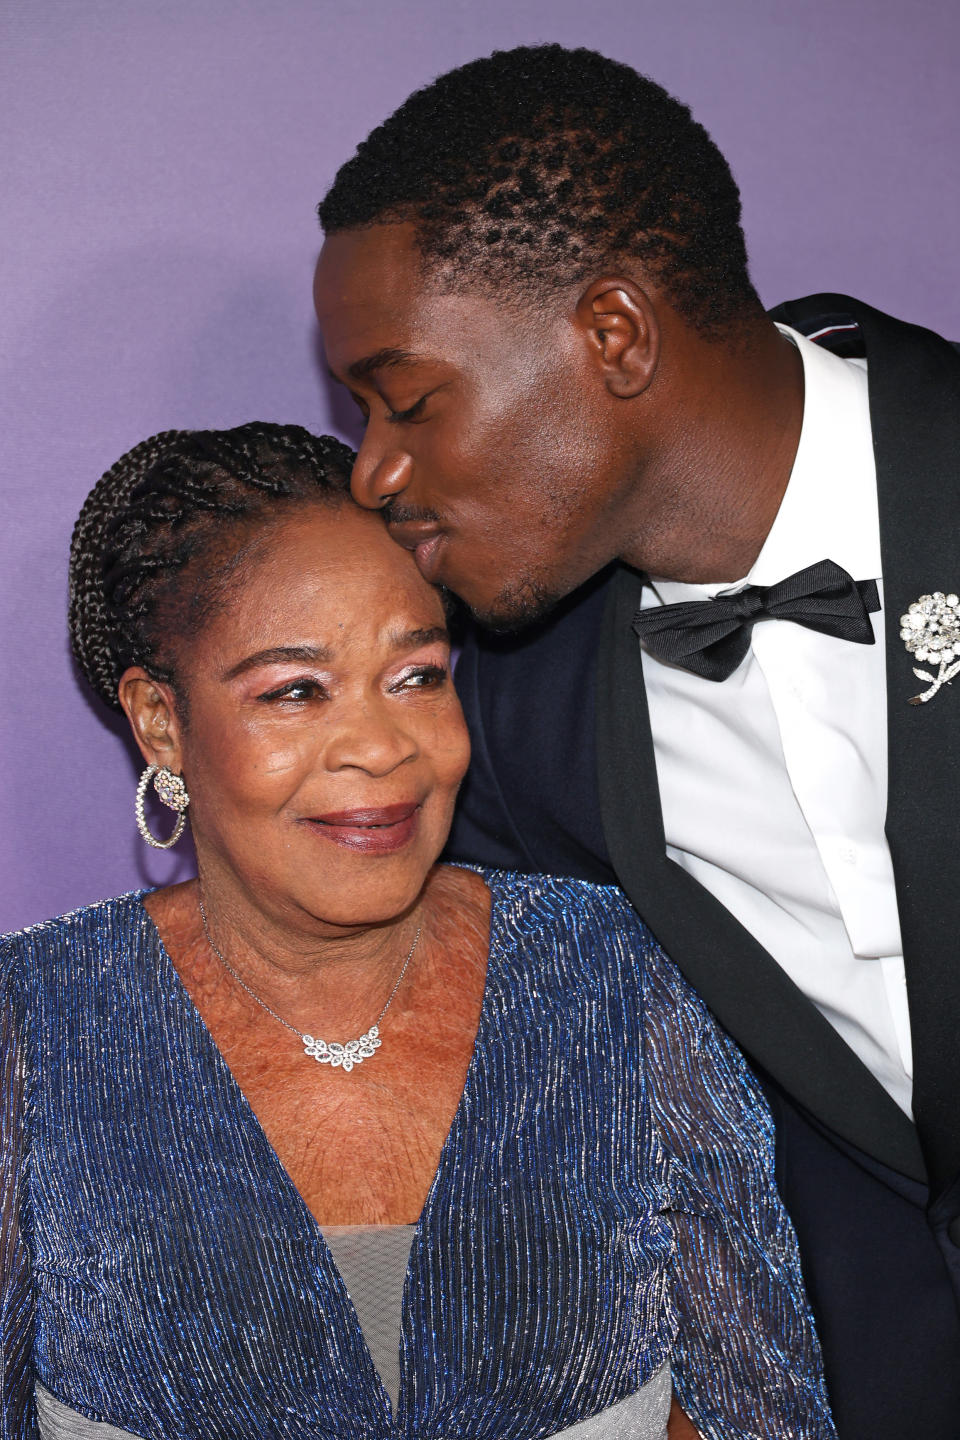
848	854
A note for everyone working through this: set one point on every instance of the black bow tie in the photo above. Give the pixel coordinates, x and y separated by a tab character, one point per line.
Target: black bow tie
711	637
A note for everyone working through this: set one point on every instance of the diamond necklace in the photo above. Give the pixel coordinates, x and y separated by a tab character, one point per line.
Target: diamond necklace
345	1056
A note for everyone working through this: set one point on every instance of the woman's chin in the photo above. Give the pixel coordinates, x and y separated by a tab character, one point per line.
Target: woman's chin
338	885
378	895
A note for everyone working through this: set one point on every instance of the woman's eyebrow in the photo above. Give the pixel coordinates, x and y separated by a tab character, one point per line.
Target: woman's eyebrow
410	639
304	654
322	654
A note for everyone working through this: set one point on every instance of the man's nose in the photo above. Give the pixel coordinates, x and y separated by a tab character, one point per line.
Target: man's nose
378	477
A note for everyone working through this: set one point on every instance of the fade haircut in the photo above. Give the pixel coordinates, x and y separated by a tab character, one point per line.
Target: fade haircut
541	167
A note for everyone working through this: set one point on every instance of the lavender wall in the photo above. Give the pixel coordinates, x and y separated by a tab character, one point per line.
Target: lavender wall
160	165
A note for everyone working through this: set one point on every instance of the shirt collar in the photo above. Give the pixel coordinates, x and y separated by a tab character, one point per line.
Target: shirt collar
829	508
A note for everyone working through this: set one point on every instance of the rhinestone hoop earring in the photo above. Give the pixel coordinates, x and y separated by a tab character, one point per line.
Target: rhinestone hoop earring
172	791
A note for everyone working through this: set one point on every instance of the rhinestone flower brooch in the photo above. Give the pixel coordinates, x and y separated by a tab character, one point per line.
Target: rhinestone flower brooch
931	632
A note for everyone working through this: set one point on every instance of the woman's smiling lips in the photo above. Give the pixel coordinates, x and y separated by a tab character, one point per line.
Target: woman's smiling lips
374	832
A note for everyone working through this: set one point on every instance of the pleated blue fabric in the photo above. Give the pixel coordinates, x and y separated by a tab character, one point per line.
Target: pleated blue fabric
604	1204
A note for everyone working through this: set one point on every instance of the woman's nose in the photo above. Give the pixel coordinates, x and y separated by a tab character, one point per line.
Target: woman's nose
371	740
378	477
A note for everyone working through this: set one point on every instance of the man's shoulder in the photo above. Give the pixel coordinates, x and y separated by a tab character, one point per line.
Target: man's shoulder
530	798
851	328
541	679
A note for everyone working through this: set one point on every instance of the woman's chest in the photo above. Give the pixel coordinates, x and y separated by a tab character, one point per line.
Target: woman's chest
179	1252
170	1240
361	1145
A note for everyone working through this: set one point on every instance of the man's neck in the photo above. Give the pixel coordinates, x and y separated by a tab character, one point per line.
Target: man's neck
730	452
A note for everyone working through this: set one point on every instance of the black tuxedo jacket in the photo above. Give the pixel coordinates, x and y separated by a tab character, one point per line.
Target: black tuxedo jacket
564	779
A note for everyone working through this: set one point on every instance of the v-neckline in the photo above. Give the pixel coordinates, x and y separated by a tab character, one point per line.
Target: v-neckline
253	1129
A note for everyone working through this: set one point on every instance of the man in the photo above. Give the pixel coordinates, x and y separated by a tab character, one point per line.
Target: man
535	285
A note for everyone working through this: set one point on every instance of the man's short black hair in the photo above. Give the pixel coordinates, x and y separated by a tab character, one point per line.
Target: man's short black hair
542	166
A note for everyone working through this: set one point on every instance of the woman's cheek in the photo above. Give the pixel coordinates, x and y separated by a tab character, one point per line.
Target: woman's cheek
254	772
460	741
271	748
451	748
283	760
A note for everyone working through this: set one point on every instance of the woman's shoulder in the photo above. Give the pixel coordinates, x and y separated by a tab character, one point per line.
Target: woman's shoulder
90	928
538	897
594	924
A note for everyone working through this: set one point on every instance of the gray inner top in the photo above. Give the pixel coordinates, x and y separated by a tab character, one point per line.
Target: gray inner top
372	1260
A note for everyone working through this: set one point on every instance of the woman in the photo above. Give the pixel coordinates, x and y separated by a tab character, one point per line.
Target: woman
516	1181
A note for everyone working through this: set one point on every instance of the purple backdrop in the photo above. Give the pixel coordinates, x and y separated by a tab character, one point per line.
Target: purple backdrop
160	167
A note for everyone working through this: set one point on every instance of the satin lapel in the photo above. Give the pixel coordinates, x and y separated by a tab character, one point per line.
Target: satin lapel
915	412
748	992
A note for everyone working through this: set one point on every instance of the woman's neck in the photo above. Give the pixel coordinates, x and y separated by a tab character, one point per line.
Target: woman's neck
297	965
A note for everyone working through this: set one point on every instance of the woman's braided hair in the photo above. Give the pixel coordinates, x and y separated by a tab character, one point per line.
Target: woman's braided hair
174	501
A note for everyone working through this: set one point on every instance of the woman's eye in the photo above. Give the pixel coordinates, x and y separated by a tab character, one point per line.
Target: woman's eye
403	417
297	690
422	677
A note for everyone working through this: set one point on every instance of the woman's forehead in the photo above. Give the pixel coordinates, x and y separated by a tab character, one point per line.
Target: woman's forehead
328	572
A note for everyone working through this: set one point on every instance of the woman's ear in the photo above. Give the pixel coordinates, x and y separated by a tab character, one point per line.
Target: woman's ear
619	321
149	706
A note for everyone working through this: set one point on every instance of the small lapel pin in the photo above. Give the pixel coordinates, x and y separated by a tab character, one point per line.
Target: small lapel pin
931	632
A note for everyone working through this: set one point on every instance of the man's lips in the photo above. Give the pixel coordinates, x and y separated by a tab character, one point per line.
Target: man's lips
425	541
427	556
375	831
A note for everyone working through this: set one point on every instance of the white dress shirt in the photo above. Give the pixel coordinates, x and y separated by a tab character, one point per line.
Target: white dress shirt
773	782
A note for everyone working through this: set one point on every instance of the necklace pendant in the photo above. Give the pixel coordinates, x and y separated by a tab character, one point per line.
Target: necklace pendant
339	1057
343	1057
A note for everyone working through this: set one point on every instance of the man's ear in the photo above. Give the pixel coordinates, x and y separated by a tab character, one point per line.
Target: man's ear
619	321
150	708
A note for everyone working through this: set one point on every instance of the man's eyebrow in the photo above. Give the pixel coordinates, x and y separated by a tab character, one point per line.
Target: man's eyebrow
304	654
389	358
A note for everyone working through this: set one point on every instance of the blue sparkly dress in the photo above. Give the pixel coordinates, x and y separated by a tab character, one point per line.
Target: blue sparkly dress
603	1206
